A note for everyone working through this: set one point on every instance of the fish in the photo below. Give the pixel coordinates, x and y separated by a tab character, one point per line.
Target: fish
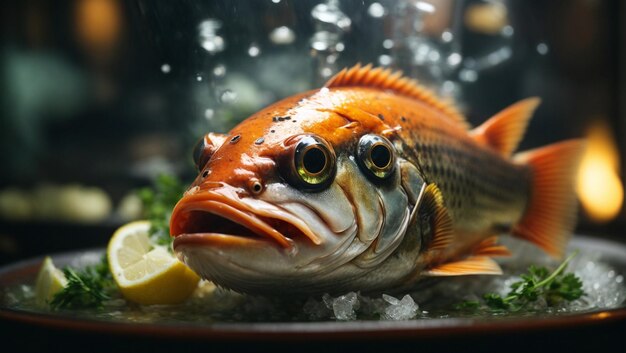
370	183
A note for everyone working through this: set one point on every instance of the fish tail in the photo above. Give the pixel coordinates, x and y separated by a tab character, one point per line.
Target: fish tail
551	210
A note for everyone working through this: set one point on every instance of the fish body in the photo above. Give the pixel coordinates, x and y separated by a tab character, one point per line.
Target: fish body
370	183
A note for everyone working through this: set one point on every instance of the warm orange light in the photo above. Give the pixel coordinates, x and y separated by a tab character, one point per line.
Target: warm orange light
599	187
98	23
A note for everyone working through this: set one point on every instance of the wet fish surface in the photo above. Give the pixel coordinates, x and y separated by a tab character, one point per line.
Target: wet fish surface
369	183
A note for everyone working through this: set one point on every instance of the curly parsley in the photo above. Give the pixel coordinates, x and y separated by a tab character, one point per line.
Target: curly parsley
86	288
158	203
554	287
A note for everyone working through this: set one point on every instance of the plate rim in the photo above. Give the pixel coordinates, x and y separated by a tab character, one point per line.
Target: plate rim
335	330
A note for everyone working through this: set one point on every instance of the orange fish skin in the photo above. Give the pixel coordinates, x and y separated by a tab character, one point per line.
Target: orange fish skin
480	192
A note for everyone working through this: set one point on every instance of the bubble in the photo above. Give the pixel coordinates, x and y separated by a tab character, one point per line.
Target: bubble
454	59
326	72
166	68
199	78
468	75
447	36
340	47
323	40
330	14
424	7
434	56
388	43
384	60
276	1
228	96
507	31
542	48
254	50
282	35
376	10
332	58
219	70
209	113
209	39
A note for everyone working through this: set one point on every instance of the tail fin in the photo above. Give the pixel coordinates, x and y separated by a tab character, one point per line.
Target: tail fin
551	212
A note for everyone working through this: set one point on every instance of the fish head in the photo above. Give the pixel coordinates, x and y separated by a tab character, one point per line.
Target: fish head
292	200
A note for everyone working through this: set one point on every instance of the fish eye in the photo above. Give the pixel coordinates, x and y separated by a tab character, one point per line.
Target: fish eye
313	163
205	148
200	158
376	156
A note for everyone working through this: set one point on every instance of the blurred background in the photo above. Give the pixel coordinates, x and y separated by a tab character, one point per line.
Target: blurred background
99	97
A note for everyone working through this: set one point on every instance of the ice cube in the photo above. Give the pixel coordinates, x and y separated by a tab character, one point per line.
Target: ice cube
345	305
404	309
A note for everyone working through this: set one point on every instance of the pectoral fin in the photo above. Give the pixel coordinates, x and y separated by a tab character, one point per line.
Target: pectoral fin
473	265
490	247
433	207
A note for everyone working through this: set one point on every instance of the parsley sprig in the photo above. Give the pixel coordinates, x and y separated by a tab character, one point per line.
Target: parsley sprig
86	288
554	287
158	203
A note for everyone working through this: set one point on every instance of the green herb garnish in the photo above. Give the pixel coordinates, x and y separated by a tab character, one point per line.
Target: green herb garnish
87	288
554	287
158	203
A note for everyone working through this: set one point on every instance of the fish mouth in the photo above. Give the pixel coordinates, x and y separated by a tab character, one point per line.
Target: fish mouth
222	218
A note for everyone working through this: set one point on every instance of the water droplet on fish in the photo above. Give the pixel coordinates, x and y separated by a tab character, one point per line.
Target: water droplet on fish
254	50
454	59
384	60
468	75
507	31
219	70
166	68
388	43
447	36
209	39
282	35
542	48
209	113
376	10
199	78
228	96
330	14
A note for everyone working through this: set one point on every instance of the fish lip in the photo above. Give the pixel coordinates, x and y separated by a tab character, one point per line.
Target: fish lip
221	209
208	239
224	203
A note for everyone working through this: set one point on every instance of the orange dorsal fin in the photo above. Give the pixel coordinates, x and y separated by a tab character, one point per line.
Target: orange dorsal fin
490	247
551	211
386	79
473	265
432	204
503	131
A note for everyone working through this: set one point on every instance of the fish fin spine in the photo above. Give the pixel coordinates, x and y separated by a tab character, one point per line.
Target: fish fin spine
551	210
504	131
386	79
490	247
443	231
473	265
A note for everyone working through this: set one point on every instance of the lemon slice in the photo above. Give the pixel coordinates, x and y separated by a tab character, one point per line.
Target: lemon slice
147	273
50	280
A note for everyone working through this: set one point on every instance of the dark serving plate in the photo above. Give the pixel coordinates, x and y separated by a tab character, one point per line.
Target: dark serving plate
601	329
